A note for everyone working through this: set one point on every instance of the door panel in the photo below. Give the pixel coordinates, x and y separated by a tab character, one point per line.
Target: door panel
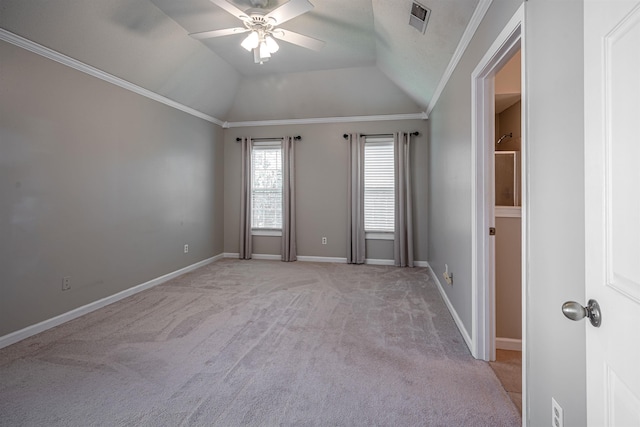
612	210
622	132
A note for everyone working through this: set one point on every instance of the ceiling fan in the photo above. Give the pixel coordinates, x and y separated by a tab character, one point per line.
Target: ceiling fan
263	28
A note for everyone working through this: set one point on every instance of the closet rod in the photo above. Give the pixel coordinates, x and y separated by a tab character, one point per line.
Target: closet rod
416	133
296	138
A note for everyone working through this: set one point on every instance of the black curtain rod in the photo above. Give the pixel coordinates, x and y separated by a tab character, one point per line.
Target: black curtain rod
296	138
416	133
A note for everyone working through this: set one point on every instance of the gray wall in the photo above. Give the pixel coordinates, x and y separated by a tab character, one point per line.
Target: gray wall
98	184
321	166
557	363
554	66
449	171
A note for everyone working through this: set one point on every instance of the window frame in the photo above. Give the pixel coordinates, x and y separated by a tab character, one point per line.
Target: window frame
380	234
255	231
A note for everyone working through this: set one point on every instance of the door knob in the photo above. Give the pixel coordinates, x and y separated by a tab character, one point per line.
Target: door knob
575	311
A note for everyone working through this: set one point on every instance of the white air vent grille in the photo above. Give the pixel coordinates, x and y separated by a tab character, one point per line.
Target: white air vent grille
419	17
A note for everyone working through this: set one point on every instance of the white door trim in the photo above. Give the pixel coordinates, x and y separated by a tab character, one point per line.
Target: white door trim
482	98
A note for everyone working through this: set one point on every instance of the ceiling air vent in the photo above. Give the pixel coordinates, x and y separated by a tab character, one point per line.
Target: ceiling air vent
419	17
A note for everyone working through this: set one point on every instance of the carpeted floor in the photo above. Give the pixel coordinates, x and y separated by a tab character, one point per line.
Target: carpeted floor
258	343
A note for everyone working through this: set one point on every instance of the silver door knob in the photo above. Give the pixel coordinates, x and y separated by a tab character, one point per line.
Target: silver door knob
575	311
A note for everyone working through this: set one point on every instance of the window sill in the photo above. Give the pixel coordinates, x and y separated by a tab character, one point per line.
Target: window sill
378	235
265	232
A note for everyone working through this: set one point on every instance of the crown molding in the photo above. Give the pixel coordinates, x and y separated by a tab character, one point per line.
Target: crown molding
324	120
469	32
48	53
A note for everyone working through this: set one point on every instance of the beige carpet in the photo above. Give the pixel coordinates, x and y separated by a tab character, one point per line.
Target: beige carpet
258	343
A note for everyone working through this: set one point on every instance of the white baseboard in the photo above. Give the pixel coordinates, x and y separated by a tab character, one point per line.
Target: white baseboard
371	261
508	344
454	313
29	331
337	260
269	257
231	255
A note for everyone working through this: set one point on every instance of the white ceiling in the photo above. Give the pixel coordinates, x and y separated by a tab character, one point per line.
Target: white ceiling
146	42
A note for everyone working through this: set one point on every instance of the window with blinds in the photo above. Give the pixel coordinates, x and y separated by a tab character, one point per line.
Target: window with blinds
266	185
379	185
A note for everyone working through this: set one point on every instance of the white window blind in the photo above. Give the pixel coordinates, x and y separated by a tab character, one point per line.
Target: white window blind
379	185
266	185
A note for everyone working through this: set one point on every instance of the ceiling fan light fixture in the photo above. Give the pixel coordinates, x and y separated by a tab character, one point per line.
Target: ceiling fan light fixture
251	42
271	44
256	57
260	24
264	51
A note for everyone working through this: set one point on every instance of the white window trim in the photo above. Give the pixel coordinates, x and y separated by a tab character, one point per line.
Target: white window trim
277	232
379	235
268	143
266	232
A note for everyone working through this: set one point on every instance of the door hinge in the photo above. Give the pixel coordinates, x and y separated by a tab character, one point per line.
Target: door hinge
492	231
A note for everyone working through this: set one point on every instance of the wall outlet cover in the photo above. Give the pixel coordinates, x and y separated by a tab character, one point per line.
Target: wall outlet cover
557	416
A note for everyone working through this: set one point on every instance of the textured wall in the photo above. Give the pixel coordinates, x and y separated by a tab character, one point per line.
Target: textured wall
322	162
98	184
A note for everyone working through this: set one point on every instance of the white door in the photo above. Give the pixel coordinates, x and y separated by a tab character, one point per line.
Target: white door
612	214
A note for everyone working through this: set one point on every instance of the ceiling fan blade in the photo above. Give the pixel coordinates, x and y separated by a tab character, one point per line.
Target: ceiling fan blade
231	9
289	10
219	33
299	39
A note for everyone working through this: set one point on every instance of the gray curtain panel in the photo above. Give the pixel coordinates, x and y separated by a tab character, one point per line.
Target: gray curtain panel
245	201
403	237
355	204
288	200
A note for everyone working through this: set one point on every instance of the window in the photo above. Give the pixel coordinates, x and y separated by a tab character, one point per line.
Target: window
266	185
379	203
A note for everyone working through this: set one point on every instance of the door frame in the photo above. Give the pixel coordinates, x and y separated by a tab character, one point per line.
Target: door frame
510	39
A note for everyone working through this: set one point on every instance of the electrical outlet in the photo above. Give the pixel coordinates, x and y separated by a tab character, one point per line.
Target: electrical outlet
186	249
557	417
324	240
66	283
448	277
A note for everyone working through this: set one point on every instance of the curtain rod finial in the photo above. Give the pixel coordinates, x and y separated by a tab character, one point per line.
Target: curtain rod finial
345	136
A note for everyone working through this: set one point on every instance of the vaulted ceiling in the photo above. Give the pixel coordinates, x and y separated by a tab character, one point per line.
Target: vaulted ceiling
371	59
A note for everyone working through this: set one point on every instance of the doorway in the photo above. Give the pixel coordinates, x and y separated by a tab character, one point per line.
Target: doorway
508	43
507	259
